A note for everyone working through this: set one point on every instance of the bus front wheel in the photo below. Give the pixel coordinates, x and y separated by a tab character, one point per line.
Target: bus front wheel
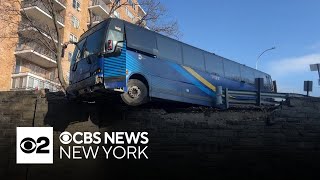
137	93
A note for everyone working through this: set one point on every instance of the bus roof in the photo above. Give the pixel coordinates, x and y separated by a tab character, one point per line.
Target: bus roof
106	22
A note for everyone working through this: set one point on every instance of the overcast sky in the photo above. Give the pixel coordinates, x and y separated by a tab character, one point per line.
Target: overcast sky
241	30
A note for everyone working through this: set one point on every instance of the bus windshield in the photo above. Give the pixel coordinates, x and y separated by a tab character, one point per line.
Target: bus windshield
95	41
92	44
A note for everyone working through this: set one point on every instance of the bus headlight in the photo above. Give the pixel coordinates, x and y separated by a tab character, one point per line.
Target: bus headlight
99	80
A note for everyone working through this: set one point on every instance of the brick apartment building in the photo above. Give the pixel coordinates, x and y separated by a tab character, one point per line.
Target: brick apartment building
27	66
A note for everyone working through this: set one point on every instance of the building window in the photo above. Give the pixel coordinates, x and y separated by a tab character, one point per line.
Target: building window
13	83
130	2
18	66
75	22
76	5
30	83
19	82
36	84
116	14
130	15
117	2
41	84
73	38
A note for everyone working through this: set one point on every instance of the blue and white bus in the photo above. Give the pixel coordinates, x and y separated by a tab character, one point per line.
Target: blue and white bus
117	56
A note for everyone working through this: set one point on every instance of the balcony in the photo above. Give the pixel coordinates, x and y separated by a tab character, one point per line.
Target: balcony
107	1
30	81
37	54
38	11
141	12
96	20
60	5
100	8
27	31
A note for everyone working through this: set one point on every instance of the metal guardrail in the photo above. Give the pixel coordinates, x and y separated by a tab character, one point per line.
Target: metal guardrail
226	98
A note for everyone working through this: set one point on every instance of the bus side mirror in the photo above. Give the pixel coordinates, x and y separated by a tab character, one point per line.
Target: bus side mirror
64	47
113	50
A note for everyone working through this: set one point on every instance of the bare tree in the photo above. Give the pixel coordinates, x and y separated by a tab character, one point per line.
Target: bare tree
48	37
155	17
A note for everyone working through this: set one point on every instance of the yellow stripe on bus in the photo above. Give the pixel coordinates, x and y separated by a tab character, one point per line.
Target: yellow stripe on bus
200	78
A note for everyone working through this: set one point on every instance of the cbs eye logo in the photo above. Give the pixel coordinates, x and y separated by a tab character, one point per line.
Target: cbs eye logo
65	138
34	145
29	145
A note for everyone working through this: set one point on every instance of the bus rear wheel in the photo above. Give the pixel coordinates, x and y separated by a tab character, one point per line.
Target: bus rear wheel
137	93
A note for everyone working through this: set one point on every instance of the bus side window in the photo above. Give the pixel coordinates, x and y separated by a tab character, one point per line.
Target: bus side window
232	70
169	49
214	64
269	81
193	57
247	74
141	39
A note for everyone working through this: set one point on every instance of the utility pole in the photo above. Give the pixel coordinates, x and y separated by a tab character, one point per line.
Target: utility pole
270	49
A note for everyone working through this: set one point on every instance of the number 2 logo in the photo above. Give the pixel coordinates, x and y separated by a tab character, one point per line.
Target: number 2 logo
29	145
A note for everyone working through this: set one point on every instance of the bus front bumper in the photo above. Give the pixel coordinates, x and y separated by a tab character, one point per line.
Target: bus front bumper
98	83
115	83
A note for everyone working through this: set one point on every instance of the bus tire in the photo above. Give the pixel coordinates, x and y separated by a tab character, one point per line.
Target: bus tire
137	93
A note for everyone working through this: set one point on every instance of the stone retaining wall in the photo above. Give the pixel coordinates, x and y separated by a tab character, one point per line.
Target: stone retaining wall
194	142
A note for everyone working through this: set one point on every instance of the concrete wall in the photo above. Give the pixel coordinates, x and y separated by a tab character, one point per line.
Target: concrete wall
184	142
